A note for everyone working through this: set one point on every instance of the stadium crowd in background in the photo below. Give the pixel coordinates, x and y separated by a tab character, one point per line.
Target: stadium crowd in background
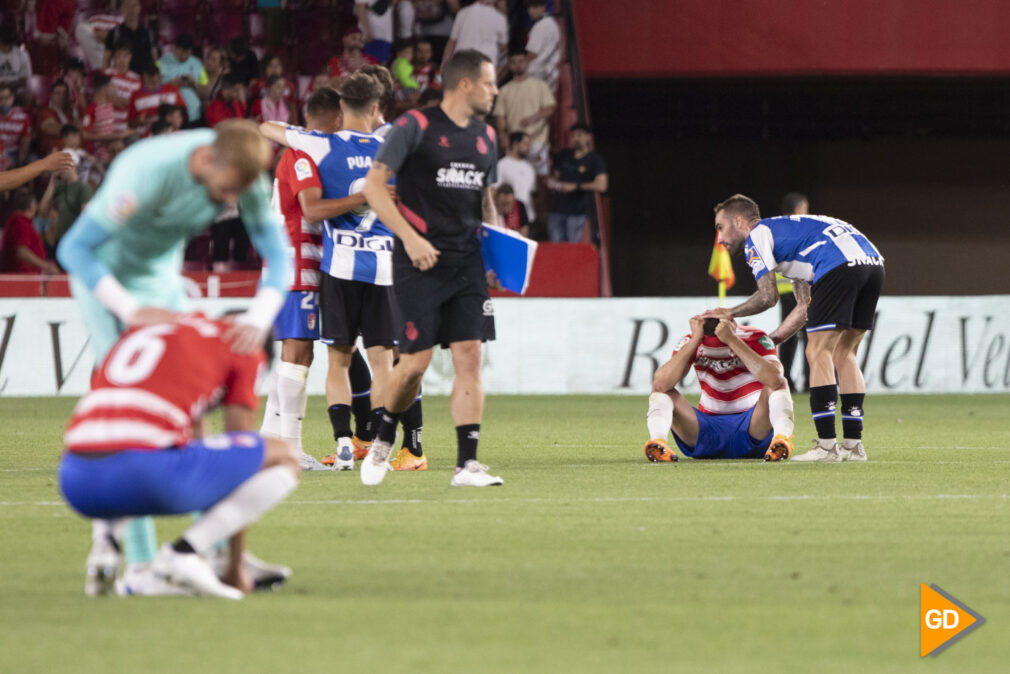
118	72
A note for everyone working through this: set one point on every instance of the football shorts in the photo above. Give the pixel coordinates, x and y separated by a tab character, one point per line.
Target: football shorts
724	436
299	317
351	308
846	297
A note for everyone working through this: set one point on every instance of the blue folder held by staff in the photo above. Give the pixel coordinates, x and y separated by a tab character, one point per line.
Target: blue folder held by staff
509	255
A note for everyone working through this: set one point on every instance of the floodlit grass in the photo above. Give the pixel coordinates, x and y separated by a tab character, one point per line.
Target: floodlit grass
588	559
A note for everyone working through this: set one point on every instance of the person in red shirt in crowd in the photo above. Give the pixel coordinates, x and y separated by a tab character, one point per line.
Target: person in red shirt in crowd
53	20
144	102
50	119
228	104
273	107
99	126
351	56
511	211
74	75
273	65
15	128
425	69
21	247
124	83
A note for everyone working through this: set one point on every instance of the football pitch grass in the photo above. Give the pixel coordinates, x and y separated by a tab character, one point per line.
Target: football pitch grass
587	559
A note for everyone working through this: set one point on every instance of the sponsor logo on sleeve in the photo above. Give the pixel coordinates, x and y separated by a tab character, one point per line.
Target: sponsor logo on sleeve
753	259
682	343
123	206
303	170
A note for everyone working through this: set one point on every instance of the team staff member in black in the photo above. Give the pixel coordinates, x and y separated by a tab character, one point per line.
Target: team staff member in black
445	162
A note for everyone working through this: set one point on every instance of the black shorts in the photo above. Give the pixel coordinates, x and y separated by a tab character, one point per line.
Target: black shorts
443	305
351	308
846	297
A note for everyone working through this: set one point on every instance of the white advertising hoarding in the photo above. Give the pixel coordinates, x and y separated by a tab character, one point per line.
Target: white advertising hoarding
920	345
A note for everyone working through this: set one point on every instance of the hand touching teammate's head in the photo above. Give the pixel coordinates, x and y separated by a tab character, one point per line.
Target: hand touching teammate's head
470	74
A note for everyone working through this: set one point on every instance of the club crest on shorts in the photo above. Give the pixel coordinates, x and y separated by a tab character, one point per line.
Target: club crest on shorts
488	308
310	321
410	330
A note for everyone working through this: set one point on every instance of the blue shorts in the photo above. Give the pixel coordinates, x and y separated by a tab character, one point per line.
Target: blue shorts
724	436
299	317
137	482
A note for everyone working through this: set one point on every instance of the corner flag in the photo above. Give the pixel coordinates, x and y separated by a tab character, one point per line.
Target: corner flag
720	267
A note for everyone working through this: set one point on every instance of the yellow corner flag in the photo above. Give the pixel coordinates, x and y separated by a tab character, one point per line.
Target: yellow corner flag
720	267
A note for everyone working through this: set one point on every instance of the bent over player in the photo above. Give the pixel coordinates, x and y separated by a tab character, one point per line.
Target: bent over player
134	448
837	270
745	411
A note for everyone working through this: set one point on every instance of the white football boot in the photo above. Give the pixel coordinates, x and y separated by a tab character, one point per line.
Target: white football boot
264	575
191	571
474	474
376	464
140	580
101	567
853	452
823	453
344	460
309	462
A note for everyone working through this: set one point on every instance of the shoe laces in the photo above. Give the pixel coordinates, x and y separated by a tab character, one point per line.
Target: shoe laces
475	466
379	452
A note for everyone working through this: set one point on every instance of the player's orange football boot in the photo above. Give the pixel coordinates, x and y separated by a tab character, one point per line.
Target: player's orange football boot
407	461
658	451
780	449
360	448
328	459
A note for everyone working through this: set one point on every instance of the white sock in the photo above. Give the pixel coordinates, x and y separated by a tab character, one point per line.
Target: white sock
780	411
659	419
272	413
242	507
101	530
292	396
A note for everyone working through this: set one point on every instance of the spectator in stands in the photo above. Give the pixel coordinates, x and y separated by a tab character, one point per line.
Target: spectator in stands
124	83
273	107
15	64
429	98
351	56
482	27
526	104
173	115
215	64
273	65
434	23
579	173
50	119
404	20
228	104
53	21
14	178
69	198
91	33
544	44
425	70
272	12
89	168
516	171
75	75
137	34
21	248
160	127
99	126
375	19
144	102
15	128
185	71
242	62
511	212
403	67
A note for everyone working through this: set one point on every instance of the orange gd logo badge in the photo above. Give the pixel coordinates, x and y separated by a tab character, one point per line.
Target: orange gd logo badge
943	620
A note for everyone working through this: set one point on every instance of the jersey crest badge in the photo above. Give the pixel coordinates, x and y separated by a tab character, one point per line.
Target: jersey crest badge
303	170
767	343
481	145
123	207
443	141
753	259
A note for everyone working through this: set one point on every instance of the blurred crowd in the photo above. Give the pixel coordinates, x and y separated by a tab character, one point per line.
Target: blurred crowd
91	77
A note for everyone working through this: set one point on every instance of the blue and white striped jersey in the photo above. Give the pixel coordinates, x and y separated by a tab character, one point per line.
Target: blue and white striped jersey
356	245
806	247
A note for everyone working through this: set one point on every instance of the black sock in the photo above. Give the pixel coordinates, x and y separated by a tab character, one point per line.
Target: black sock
386	430
466	443
361	407
412	421
183	546
822	407
852	416
374	419
340	419
361	388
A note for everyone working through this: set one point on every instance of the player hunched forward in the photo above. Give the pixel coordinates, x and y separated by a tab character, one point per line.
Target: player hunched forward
745	411
840	273
445	162
133	448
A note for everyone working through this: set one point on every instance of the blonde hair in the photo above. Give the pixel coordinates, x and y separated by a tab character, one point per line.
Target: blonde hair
240	145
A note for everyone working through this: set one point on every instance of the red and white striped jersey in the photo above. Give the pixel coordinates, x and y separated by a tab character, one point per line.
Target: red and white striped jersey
100	118
144	103
156	382
727	386
14	126
297	172
124	84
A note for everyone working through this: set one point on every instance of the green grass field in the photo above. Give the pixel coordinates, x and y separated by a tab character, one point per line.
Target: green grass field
588	559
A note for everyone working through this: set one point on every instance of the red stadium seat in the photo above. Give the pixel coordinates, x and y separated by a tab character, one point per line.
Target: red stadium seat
175	6
224	25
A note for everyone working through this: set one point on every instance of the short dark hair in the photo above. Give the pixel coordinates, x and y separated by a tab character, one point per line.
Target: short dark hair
68	130
74	64
711	323
166	109
536	3
791	201
185	41
504	188
463	64
22	199
517	51
360	91
229	80
152	70
402	43
160	126
580	126
123	45
239	45
517	137
100	81
429	95
8	34
325	101
738	204
381	75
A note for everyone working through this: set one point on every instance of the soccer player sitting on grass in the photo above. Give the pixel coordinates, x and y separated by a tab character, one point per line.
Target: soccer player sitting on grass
745	412
135	448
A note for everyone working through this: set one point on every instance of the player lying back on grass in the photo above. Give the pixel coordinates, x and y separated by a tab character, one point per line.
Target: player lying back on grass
134	449
745	412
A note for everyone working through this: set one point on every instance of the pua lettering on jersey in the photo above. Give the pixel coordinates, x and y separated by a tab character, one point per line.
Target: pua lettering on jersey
377	244
460	174
359	162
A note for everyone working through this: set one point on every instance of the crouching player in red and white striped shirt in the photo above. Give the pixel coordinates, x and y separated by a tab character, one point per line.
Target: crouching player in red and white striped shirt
134	448
745	412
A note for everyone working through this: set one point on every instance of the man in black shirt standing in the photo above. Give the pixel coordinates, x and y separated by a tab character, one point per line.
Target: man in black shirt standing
137	34
578	174
445	162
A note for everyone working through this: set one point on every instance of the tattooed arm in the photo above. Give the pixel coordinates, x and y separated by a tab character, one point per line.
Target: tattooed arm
796	319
